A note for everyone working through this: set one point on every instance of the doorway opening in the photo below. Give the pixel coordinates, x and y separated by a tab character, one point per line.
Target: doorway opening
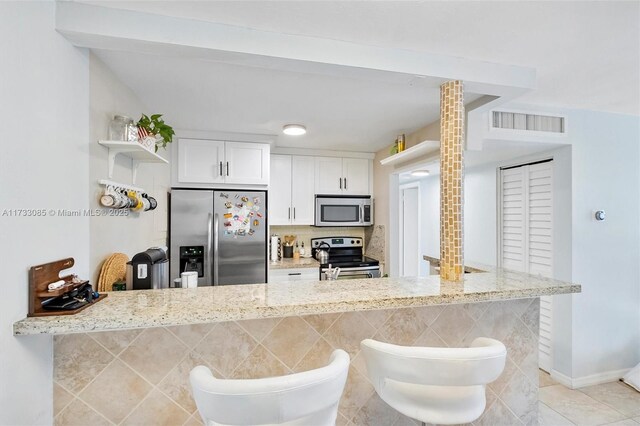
409	230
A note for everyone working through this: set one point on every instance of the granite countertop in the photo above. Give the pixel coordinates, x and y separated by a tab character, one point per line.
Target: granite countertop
158	308
303	262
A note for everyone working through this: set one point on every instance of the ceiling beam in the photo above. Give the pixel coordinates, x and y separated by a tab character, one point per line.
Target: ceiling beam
98	27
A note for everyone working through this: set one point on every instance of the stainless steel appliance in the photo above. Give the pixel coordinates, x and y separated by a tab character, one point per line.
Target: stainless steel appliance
346	254
148	270
220	234
344	210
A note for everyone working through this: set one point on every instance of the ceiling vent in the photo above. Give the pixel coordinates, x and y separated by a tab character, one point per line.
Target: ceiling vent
528	122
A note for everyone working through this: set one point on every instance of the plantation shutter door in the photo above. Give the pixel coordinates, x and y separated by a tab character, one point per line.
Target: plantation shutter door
513	205
526	234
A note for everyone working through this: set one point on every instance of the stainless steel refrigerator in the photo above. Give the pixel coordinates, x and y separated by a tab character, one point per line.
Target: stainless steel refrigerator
220	234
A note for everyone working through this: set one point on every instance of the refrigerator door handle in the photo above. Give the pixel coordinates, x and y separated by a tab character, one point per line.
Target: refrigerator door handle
215	250
209	244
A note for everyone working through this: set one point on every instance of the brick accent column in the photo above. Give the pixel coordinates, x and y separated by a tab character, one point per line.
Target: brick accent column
451	180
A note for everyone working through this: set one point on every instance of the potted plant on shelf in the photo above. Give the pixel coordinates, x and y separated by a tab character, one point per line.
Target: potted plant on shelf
154	131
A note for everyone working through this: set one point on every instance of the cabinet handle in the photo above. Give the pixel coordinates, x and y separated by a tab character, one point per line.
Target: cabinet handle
295	273
227	168
294	213
289	213
340	183
221	168
345	183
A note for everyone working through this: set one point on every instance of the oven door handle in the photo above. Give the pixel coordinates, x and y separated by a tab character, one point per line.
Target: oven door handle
346	269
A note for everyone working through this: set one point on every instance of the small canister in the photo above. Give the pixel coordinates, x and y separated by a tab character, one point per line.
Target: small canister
189	279
177	283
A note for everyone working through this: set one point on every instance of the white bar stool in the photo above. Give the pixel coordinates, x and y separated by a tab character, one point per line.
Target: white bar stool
435	385
307	398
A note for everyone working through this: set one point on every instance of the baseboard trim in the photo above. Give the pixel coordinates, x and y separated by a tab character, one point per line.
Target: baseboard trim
593	379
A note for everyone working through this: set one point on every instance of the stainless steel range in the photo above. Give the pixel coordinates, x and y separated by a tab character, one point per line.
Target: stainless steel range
346	253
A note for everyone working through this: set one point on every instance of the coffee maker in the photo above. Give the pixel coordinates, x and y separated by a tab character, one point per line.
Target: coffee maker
148	270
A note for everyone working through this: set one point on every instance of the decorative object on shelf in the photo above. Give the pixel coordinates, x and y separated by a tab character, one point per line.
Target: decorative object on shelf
394	148
123	129
119	196
155	128
398	145
426	148
400	142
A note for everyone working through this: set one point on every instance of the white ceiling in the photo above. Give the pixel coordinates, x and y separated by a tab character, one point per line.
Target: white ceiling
587	54
340	113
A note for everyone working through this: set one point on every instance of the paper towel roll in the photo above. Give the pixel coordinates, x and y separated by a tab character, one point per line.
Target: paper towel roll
275	245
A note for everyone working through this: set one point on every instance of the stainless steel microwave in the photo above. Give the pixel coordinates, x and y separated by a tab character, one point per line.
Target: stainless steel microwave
345	210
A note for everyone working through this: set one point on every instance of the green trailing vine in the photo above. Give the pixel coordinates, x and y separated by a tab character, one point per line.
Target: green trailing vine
156	125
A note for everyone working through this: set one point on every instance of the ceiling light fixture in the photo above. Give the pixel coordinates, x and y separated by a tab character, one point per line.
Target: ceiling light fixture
420	173
294	129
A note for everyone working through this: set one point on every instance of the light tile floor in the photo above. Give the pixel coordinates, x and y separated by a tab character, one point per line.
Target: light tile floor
612	404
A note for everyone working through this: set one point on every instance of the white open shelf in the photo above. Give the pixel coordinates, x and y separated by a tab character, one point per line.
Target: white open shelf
133	150
417	151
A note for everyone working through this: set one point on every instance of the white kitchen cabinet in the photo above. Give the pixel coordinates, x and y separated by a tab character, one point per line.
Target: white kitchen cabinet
297	274
246	163
200	161
302	190
212	162
328	175
280	190
291	192
342	176
355	173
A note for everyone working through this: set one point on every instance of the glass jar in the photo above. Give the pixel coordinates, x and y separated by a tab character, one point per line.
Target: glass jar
119	128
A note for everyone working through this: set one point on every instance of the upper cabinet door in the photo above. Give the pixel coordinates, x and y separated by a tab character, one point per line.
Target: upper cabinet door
200	161
280	190
302	190
329	175
246	163
355	176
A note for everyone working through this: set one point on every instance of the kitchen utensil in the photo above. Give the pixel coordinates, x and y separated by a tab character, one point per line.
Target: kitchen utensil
108	199
275	248
322	255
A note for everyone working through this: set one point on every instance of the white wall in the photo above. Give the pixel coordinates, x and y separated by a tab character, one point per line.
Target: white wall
596	332
606	316
44	97
479	215
138	231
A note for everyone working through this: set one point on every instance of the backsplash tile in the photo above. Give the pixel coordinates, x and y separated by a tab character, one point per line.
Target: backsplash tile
305	233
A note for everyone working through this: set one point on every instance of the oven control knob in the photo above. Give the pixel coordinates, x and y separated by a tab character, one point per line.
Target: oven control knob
358	241
315	243
352	241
